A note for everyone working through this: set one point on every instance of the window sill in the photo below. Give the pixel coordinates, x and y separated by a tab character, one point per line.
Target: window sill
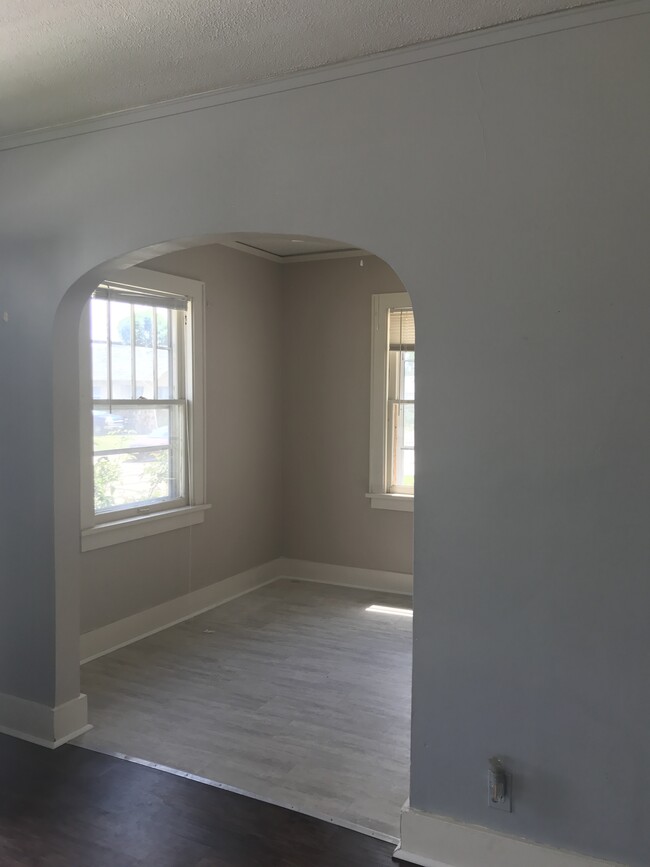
396	502
128	529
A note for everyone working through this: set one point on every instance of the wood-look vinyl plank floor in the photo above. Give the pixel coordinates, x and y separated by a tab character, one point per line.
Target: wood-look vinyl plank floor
294	693
75	808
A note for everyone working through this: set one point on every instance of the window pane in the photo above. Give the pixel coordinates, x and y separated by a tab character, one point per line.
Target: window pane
132	479
99	346
408	375
106	424
131	428
402	466
143	322
122	373
408	469
121	369
164	374
163	327
121	322
408	426
139	455
144	372
402	473
99	319
100	370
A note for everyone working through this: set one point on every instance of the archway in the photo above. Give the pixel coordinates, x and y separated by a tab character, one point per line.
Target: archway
363	549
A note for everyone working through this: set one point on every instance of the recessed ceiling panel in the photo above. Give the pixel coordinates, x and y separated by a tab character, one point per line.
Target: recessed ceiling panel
288	246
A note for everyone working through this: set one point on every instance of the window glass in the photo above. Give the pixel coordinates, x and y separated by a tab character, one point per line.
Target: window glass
401	414
139	419
392	436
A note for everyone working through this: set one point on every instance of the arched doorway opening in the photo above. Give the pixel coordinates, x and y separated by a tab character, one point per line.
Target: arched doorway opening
298	690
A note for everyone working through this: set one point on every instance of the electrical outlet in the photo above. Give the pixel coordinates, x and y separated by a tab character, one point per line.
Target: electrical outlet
505	802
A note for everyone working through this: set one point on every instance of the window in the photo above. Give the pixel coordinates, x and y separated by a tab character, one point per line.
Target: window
142	416
392	410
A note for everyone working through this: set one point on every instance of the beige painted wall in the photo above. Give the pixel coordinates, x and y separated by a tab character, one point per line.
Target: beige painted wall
287	413
243	420
326	399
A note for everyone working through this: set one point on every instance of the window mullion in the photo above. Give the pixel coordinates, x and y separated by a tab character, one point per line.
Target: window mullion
132	312
127	450
109	364
154	341
141	402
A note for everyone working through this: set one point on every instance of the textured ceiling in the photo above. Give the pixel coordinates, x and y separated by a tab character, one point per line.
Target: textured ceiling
63	60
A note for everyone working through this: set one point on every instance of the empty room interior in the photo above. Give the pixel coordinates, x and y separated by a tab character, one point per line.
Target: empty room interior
297	690
324	377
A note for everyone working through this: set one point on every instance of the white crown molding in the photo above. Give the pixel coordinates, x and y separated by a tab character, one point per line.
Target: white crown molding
541	25
40	724
434	841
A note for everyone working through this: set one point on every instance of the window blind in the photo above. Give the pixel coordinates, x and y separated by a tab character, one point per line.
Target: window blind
401	330
133	295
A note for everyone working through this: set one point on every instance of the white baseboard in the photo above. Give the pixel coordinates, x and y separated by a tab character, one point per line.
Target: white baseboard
433	841
43	725
53	726
115	635
347	576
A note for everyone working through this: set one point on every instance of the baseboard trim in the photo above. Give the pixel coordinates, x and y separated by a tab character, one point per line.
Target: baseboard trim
108	638
433	841
113	636
43	725
347	576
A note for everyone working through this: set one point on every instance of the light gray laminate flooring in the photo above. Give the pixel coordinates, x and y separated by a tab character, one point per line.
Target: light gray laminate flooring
294	693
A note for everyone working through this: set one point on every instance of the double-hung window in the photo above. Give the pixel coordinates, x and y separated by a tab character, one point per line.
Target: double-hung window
392	422
143	429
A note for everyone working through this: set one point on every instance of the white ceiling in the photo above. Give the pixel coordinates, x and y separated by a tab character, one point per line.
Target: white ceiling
63	60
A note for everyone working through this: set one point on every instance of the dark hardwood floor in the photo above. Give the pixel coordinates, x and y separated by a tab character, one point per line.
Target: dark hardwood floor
74	808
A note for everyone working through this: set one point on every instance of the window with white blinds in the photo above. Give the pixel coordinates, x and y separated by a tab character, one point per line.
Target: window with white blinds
401	330
392	425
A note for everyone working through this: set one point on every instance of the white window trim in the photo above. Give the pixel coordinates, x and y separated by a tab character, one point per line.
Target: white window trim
98	533
378	494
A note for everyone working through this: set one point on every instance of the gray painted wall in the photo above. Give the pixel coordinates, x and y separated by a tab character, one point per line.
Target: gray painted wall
508	188
326	399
